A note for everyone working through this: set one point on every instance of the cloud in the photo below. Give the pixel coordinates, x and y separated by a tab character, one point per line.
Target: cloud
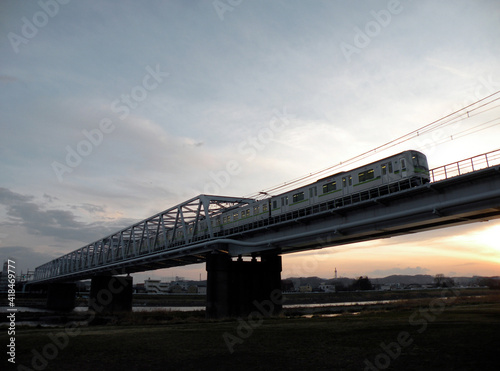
6	79
25	257
23	211
50	198
90	208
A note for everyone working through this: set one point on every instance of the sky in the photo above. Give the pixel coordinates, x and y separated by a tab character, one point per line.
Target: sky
113	111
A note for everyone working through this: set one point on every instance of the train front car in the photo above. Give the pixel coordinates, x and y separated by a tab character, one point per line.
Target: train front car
420	166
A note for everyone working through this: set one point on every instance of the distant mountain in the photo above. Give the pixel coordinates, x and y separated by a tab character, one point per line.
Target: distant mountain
421	279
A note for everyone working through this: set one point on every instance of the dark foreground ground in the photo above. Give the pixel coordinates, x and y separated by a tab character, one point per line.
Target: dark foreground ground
459	333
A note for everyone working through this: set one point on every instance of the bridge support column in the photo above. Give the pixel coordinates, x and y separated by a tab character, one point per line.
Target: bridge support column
109	294
241	288
61	296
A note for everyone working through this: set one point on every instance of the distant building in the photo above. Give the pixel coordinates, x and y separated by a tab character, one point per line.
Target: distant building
305	288
287	286
139	288
156	286
326	288
176	288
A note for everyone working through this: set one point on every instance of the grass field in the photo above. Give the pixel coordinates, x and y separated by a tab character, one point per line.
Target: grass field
461	333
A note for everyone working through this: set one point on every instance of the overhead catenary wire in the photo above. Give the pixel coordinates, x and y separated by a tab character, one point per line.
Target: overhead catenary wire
452	118
471	130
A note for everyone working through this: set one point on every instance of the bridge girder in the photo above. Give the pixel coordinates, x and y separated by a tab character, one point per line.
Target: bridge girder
152	244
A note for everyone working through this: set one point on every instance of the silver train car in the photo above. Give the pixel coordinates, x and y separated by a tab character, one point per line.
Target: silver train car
408	168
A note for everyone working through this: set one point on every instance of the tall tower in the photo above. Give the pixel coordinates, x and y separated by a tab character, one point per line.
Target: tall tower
335	272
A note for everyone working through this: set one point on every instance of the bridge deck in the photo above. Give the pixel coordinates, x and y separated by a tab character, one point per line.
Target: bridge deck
399	208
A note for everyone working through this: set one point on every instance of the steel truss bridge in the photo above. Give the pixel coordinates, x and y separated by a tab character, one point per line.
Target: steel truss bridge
462	192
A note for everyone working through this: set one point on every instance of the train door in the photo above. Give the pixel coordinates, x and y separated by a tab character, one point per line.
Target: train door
313	193
346	184
384	169
404	168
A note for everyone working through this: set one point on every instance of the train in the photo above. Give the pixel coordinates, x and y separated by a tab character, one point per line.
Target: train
408	168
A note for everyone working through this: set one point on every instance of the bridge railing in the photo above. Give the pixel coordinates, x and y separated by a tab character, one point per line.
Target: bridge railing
465	166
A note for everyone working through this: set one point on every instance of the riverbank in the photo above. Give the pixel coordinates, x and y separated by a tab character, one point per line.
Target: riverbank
459	333
195	300
166	308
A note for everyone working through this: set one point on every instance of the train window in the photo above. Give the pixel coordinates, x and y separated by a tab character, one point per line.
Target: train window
329	187
243	214
344	182
390	167
284	201
366	175
275	204
255	210
247	213
298	197
264	208
420	162
403	164
350	180
313	192
235	216
384	169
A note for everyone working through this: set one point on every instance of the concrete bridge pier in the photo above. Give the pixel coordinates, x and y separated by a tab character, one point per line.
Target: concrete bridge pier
61	296
109	294
243	288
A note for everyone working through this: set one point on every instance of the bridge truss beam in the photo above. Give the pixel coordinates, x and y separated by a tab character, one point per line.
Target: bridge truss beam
164	232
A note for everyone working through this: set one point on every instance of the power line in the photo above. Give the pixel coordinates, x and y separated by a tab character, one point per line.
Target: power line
441	122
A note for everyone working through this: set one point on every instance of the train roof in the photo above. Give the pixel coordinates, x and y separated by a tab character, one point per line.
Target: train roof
371	163
348	171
